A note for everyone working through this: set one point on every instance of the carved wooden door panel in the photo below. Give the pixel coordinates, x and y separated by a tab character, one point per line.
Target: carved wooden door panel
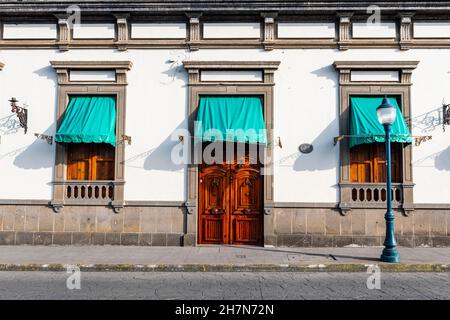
230	204
246	204
213	204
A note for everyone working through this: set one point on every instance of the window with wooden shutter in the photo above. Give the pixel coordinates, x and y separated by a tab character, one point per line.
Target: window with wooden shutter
90	161
368	162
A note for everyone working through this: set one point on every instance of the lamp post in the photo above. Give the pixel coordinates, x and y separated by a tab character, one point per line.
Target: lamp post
386	115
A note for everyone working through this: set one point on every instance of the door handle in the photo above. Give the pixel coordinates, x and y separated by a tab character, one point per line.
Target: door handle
216	211
244	211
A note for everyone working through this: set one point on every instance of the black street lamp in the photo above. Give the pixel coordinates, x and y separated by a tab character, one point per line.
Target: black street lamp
21	112
386	115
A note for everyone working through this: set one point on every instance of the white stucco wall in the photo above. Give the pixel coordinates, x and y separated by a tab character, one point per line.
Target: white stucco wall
306	111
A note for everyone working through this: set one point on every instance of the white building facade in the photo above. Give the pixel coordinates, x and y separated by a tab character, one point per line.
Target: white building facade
305	61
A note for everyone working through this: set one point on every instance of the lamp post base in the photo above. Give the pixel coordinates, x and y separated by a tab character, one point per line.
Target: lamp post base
390	255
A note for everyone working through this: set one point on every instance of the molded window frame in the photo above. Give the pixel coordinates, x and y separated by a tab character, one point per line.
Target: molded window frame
348	88
264	89
66	89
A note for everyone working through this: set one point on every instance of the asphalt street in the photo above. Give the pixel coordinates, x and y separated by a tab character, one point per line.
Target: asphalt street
212	285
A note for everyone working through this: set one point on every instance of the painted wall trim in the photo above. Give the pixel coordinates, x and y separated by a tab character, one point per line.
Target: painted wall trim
71	64
324	205
137	203
375	65
268	15
231	7
20	202
155	203
231	65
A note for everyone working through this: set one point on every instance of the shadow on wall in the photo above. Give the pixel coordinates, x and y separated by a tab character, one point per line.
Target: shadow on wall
175	72
442	160
37	155
158	158
324	156
161	156
426	122
47	72
9	125
327	72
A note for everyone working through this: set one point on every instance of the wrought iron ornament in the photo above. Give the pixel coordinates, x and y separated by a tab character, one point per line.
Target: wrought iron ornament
44	137
21	112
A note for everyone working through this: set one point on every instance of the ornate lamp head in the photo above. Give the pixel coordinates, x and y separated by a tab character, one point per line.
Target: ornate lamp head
13	101
21	112
386	112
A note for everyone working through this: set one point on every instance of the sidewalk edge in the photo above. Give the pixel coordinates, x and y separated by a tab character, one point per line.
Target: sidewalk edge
337	267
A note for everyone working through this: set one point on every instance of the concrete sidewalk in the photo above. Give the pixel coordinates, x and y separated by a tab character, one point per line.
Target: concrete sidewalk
217	258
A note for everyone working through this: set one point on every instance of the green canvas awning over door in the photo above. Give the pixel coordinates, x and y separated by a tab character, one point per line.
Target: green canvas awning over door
364	122
230	118
89	119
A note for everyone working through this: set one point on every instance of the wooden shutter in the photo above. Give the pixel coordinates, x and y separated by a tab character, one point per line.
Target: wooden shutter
78	161
90	161
104	162
368	162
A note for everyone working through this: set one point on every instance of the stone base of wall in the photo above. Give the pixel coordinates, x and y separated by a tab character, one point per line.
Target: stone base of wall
90	238
167	226
292	240
176	239
91	225
32	218
326	227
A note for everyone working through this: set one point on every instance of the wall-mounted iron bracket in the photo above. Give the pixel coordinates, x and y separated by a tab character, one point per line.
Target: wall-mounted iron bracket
45	137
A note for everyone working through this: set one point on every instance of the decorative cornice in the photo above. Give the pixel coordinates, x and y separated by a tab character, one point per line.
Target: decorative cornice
371	65
248	65
195	67
63	68
404	38
91	65
228	6
404	67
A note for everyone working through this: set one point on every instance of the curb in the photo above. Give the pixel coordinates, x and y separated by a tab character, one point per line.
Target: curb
354	267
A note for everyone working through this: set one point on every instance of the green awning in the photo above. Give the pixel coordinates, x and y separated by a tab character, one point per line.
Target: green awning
364	122
89	119
230	118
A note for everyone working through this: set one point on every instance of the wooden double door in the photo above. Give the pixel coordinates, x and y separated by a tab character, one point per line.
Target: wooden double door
230	204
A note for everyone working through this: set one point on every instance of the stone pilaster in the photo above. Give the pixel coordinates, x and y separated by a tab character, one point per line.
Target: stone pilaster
64	34
269	29
194	30
406	33
122	32
344	30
